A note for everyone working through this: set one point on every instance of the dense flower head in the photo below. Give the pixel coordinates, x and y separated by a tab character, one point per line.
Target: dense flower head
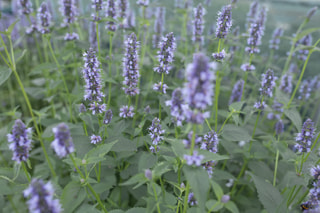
111	13
198	90
159	26
71	37
123	6
166	53
305	90
267	83
155	132
254	39
286	83
251	15
160	87
315	172
69	11
303	53
247	67
262	18
279	127
198	24
94	139
97	5
275	41
187	142
25	7
130	66
314	195
33	27
210	142
219	56
304	138
236	92
311	12
41	199
97	108
193	159
260	105
126	112
108	117
144	3
224	21
62	143
44	18
177	106
192	200
20	141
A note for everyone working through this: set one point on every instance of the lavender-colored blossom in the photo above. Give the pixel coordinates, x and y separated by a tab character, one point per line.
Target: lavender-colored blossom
303	53
82	108
41	197
130	66
225	198
97	6
192	200
93	35
293	69
69	11
71	37
25	7
94	139
111	14
44	18
62	143
177	106
311	12
123	6
147	109
198	24
251	15
144	3
198	89
197	141
160	87
193	159
166	53
236	92
277	108
108	117
224	22
219	56
148	174
279	127
155	132
275	41
304	138
305	90
126	112
130	21
33	28
97	108
247	67
210	142
260	105
314	195
286	83
267	83
315	172
20	141
159	26
254	39
262	18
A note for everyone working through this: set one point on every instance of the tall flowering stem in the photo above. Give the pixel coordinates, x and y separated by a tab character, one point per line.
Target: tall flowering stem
158	26
198	25
69	11
111	14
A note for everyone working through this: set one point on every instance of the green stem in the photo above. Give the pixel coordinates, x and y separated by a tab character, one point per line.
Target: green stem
156	197
217	91
185	205
224	123
26	171
109	65
276	168
162	77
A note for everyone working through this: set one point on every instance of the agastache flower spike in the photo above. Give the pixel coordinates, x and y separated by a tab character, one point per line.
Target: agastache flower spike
210	143
219	56
111	14
305	90
198	24
160	87
68	10
130	21
198	90
95	139
97	6
62	143
275	41
123	6
20	141
130	66
159	26
236	92
155	132
306	41
41	197
315	172
311	12
108	117
166	53
177	106
254	39
286	83
279	127
224	22
126	112
304	138
267	83
247	67
251	15
44	18
26	7
193	159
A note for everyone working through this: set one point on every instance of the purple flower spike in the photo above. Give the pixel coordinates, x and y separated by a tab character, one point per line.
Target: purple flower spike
162	88
177	107
25	7
311	12
275	41
210	142
144	3
130	66
236	92
224	22
198	24
219	56
192	200
126	112
286	83
97	6
304	138
279	127
95	139
198	90
41	197
193	159
97	108
69	11
111	14
260	106
44	18
123	6
20	141
187	142
267	83
303	53
251	15
166	53
305	90
159	26
155	132
71	37
108	117
247	67
315	172
62	143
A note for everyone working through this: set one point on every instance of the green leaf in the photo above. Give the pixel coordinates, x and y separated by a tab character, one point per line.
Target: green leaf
20	56
209	156
307	32
161	168
116	211
231	206
72	196
5	73
214	205
217	189
281	97
137	210
10	28
236	106
146	161
235	133
269	196
100	150
199	181
85	208
294	116
134	179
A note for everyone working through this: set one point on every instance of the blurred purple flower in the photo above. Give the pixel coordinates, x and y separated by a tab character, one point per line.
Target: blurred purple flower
236	92
304	138
166	53
62	143
126	112
224	22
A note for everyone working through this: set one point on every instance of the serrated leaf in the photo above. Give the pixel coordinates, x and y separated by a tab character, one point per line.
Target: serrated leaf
101	150
5	73
235	133
217	189
294	116
209	156
85	208
236	106
232	207
134	179
72	196
161	168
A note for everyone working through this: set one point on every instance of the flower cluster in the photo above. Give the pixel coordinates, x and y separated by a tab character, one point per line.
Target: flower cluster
224	22
315	172
41	197
198	90
254	39
108	117
198	24
247	67
158	26
187	142
160	87
44	18
219	56
267	83
126	112
314	194
304	41
260	105
286	83
304	138
177	106
275	41
93	88
279	127
95	139
192	200
26	7
155	132
251	15
123	6
111	14
71	37
20	141
166	53
193	159
97	6
130	66
68	10
130	21
210	143
144	3
236	92
305	90
62	143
